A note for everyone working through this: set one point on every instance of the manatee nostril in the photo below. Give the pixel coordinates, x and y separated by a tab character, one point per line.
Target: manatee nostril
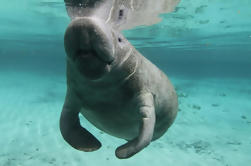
84	53
119	39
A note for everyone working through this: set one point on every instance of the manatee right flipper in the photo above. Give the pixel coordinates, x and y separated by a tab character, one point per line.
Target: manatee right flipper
73	133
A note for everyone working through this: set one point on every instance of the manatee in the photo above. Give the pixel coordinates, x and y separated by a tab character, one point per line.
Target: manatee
114	87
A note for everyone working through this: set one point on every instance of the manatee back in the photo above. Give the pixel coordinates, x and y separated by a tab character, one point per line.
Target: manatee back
123	14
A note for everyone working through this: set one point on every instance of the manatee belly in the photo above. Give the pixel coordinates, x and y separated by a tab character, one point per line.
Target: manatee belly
120	123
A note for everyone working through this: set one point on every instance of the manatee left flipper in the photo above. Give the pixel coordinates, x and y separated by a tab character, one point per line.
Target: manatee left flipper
73	133
147	112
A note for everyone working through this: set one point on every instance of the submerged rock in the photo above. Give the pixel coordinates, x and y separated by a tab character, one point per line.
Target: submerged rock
243	117
215	105
197	107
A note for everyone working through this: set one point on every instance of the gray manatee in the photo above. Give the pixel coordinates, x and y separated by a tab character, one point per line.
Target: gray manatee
114	87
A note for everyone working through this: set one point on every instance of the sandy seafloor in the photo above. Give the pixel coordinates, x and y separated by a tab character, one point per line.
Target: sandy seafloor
212	128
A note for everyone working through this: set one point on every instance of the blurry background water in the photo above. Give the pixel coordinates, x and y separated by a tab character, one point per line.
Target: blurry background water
204	46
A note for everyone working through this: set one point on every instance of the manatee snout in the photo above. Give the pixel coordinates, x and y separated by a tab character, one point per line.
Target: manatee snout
89	46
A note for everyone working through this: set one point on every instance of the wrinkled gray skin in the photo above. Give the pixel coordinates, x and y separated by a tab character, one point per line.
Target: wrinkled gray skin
115	88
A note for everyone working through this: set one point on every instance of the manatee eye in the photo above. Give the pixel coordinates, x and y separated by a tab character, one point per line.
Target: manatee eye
119	39
121	13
